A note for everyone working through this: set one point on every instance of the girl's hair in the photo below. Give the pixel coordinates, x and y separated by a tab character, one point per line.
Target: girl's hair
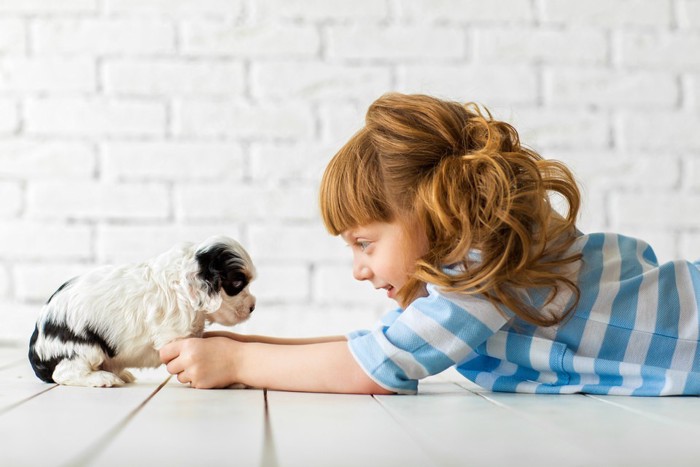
482	200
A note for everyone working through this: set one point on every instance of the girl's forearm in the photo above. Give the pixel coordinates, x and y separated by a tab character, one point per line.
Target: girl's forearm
318	367
275	340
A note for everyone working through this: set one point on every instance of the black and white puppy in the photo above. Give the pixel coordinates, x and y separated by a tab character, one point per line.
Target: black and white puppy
116	317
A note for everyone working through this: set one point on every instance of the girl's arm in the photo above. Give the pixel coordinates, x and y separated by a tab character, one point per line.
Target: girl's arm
274	340
221	362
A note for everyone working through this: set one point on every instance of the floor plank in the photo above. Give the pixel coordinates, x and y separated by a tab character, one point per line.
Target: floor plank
56	426
617	436
11	356
458	427
185	426
683	411
337	430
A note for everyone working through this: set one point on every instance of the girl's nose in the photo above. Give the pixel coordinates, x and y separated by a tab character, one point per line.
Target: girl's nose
361	272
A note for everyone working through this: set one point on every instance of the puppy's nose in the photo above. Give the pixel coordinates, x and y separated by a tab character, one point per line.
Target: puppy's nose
252	309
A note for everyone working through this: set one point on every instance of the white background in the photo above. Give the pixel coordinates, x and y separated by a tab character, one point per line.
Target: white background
129	125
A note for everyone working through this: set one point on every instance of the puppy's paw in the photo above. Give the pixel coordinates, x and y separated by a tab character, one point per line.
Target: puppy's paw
96	379
103	379
126	376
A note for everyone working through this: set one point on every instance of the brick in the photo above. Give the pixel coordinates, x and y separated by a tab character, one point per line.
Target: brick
335	284
340	121
37	282
173	76
662	50
278	283
12	196
602	13
12	36
689	14
29	160
5	284
309	320
395	43
472	11
612	89
239	202
694	90
103	36
656	210
283	162
188	8
295	242
546	128
545	45
48	6
593	212
605	170
211	118
692	172
487	85
665	131
47	74
28	240
94	117
318	10
136	243
94	200
9	118
315	80
689	247
270	40
18	321
172	161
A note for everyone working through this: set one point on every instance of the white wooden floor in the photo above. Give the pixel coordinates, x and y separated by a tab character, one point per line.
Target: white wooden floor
157	421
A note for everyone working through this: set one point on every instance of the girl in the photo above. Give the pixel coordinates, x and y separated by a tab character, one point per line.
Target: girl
448	213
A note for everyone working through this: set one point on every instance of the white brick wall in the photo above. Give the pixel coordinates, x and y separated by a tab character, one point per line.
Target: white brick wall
129	125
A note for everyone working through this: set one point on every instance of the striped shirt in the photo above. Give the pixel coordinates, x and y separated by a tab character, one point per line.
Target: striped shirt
633	332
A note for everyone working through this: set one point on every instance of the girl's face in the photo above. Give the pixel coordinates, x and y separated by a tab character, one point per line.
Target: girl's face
385	254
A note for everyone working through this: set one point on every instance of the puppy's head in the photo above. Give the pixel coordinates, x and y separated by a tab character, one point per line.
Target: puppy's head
225	269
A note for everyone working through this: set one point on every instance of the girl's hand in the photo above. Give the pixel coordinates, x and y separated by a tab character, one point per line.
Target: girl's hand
203	363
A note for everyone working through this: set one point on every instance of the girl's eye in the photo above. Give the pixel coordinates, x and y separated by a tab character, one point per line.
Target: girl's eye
362	245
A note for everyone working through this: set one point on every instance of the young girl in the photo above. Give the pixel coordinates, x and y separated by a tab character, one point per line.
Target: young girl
447	213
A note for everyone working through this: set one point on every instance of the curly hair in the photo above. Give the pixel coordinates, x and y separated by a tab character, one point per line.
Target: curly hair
481	198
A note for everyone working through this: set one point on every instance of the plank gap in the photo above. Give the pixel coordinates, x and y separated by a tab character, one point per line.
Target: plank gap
657	418
410	432
6	409
269	453
101	443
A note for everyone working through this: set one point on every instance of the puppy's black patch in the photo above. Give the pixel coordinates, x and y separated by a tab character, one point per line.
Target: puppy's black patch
65	334
63	286
219	267
44	368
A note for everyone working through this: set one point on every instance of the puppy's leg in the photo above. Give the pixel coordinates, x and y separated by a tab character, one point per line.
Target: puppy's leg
126	376
83	370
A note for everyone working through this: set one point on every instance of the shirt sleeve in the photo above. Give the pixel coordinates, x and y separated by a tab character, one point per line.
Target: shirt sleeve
431	335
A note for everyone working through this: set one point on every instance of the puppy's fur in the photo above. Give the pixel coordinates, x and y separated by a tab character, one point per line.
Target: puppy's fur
116	317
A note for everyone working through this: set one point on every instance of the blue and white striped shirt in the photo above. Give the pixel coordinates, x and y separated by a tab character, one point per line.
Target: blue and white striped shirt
633	332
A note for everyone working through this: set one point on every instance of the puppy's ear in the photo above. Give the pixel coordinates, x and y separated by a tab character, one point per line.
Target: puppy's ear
221	267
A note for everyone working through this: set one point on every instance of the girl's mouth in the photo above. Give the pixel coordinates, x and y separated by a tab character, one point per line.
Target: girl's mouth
390	291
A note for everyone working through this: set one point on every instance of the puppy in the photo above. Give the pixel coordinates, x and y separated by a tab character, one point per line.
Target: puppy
116	317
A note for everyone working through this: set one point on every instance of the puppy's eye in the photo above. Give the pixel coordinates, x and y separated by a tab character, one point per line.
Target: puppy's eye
234	287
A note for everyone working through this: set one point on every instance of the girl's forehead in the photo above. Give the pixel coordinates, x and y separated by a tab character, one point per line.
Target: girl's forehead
373	229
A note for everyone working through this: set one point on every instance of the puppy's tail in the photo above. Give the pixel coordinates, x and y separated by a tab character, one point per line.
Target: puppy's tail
43	369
